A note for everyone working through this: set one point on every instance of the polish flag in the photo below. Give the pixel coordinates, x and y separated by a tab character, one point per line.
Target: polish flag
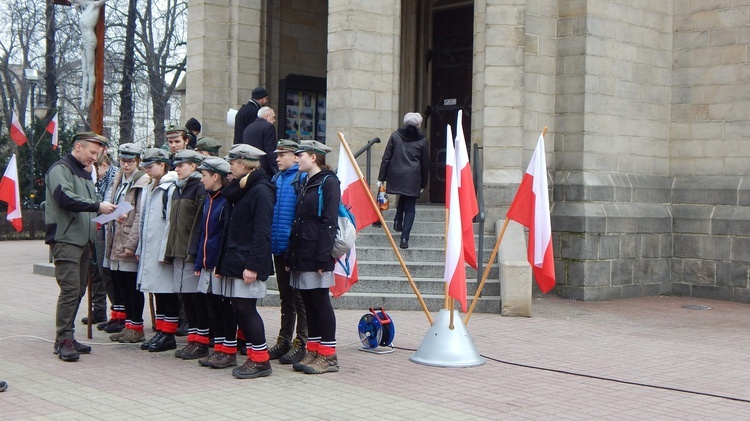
530	208
354	195
455	272
52	129
16	131
9	194
466	195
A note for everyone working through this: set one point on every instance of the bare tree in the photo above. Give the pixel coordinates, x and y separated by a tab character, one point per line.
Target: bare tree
128	70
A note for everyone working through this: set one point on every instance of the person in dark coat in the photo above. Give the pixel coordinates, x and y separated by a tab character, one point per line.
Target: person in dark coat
245	259
249	112
194	130
261	134
404	170
309	256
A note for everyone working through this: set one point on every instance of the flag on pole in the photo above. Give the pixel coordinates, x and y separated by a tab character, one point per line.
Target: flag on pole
16	131
9	194
52	129
354	196
530	208
466	195
455	271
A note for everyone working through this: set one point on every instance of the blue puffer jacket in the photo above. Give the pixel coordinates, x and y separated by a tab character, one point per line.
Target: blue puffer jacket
212	228
284	209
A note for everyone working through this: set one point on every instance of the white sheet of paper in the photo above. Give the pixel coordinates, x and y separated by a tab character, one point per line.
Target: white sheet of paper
231	114
122	209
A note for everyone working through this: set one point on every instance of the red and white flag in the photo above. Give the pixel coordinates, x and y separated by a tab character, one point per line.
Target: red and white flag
354	196
530	208
52	129
455	271
466	195
9	194
16	131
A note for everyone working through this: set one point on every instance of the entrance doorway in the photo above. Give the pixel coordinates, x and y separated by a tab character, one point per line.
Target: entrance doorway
449	60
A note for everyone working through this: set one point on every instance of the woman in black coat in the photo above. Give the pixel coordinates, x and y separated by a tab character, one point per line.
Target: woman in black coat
310	259
405	167
245	259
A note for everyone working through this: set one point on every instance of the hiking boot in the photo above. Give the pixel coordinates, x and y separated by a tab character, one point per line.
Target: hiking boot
282	347
182	330
115	326
205	361
79	347
165	342
322	364
131	336
145	345
295	353
198	350
224	360
251	370
98	316
307	359
188	347
117	335
66	350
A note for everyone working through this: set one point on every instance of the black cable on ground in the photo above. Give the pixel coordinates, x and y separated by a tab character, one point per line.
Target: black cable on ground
608	379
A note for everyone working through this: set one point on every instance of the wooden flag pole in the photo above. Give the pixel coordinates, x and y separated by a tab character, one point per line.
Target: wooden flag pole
492	259
385	227
89	314
486	271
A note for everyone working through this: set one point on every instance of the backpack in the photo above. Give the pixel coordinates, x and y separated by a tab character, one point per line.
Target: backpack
346	234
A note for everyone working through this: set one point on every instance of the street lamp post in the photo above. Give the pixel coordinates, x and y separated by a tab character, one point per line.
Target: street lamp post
40	111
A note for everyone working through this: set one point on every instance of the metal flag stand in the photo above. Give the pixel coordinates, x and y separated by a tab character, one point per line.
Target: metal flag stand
446	347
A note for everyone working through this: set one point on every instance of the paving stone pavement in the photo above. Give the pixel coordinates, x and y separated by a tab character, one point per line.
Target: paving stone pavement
646	358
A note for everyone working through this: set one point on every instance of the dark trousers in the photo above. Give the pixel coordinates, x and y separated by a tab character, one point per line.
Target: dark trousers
132	298
292	306
101	280
406	209
196	310
168	305
72	265
249	319
321	320
223	319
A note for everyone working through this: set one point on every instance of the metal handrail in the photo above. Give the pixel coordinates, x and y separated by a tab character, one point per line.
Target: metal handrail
477	170
367	148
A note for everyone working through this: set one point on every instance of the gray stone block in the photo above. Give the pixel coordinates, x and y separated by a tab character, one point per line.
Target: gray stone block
609	247
630	246
686	245
647	271
602	293
731	220
699	272
579	246
682	289
622	272
666	245
650	188
712	292
742	295
578	217
714	190
677	269
740	249
637	217
571	293
715	247
692	218
732	274
632	291
651	245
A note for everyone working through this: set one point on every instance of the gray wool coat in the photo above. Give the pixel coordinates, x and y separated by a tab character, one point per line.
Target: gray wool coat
406	162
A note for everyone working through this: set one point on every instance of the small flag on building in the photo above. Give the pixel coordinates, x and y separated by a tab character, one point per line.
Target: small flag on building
9	194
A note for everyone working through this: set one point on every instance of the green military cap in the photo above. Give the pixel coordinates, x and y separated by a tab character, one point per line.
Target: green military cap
312	146
243	151
155	155
286	145
91	137
187	155
177	129
215	164
129	151
208	144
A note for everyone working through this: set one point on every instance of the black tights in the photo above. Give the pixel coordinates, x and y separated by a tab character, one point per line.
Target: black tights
223	322
167	304
250	321
196	310
132	298
321	320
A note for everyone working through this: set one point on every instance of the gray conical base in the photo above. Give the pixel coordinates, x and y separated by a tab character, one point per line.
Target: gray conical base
443	347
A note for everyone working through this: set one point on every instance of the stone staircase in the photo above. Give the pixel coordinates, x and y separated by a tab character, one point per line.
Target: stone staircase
382	281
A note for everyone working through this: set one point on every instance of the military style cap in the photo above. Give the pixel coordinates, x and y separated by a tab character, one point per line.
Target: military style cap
176	129
91	137
208	144
312	146
155	155
243	151
215	164
129	151
187	155
286	145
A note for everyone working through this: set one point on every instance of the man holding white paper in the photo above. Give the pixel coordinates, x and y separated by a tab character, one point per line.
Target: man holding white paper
71	203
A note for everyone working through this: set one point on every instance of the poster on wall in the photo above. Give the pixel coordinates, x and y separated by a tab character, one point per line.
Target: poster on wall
302	109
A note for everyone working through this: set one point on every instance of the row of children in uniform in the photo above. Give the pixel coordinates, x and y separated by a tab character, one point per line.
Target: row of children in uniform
209	234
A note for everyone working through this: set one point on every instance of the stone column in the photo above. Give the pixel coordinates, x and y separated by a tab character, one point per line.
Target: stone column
224	61
363	70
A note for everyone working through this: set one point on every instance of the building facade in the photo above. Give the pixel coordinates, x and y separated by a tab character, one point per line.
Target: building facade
646	103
